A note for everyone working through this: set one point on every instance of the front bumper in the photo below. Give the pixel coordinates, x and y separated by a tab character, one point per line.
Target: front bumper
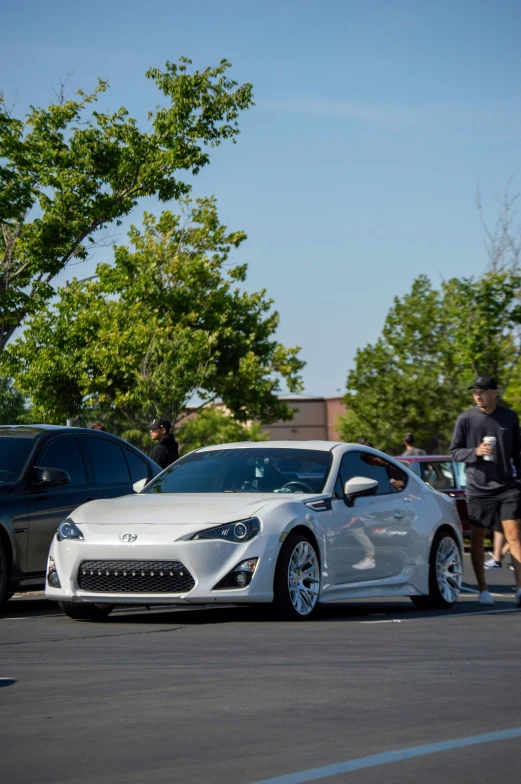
208	561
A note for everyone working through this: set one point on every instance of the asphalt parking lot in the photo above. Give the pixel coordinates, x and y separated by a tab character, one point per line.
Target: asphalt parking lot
370	691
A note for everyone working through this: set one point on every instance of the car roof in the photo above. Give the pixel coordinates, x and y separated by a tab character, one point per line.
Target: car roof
322	446
29	431
423	458
36	431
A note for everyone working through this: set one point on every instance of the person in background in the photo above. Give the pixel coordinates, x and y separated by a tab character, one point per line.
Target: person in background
410	449
366	442
166	450
487	439
97	426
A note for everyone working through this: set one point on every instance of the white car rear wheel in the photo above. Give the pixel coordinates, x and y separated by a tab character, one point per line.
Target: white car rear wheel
445	574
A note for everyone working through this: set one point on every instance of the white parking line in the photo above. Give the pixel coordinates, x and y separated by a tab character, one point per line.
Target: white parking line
313	774
476	613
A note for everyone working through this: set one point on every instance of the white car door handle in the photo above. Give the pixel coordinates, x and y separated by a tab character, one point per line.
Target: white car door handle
399	515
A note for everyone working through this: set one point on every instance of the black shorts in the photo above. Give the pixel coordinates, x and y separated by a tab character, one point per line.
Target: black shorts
488	511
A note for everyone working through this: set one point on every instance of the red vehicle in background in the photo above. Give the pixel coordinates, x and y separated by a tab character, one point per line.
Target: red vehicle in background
443	473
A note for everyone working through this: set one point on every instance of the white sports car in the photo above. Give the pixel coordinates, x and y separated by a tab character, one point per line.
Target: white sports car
293	523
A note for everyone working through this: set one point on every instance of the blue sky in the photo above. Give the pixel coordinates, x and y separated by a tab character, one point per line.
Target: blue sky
356	170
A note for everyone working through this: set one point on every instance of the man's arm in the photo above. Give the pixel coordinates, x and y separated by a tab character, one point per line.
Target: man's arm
458	448
516	447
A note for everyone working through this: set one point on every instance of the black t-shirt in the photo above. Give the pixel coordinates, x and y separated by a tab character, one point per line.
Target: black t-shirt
487	477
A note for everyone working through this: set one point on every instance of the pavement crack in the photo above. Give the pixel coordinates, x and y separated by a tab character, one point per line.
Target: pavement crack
92	637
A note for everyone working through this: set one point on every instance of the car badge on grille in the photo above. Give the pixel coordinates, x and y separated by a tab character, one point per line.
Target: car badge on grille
129	538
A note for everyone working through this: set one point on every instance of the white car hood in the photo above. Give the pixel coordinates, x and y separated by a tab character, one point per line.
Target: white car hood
171	509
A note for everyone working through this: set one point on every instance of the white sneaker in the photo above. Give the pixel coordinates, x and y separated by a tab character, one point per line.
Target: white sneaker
366	563
493	564
518	598
485	599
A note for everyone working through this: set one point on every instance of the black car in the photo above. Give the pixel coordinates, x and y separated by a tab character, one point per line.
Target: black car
45	472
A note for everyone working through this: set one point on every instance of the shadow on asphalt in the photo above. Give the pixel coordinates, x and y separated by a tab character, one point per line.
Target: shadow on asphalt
372	610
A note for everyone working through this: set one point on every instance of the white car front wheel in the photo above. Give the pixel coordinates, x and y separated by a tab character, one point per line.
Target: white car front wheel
297	578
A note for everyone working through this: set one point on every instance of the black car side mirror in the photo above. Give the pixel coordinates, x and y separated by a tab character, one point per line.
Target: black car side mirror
50	477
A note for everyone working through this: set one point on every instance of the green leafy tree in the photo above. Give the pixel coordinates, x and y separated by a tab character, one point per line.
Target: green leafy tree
434	342
70	170
12	404
169	320
215	426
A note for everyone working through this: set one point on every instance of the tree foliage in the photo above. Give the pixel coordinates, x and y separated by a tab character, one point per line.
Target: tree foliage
69	170
433	343
215	426
12	404
169	320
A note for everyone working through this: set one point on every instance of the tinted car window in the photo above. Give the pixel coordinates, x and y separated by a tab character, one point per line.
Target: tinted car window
65	453
107	461
390	478
138	467
251	470
439	475
13	456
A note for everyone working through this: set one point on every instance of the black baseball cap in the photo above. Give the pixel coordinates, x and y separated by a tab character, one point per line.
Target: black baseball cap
158	423
484	382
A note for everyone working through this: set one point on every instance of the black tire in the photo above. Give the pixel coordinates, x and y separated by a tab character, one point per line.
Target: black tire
5	572
86	612
282	603
435	599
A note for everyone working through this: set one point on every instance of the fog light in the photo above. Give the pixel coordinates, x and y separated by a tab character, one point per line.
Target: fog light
240	577
53	580
52	574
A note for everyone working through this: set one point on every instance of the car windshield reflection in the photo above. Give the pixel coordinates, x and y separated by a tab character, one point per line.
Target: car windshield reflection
248	470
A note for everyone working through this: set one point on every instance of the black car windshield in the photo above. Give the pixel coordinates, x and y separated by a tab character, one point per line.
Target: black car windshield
13	456
248	470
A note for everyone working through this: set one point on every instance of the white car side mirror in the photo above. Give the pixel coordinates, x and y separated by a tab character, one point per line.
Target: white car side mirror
138	486
359	486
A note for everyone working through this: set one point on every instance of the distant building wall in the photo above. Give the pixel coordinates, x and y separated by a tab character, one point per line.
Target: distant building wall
313	418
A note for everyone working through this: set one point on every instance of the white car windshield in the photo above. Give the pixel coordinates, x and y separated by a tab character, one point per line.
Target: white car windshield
249	470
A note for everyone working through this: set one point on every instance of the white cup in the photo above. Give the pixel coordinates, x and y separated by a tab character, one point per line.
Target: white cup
491	441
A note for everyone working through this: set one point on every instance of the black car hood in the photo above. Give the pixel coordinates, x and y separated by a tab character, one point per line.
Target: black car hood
5	489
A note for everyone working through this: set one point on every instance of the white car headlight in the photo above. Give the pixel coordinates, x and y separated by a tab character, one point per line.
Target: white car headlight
69	530
240	531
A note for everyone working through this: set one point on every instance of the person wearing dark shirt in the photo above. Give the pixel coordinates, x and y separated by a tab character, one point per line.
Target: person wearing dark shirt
410	449
487	439
166	451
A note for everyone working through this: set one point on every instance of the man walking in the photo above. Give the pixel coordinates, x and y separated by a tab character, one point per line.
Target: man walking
486	438
410	449
166	451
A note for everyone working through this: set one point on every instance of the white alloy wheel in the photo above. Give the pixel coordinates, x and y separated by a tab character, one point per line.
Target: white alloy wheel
449	569
445	574
303	578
